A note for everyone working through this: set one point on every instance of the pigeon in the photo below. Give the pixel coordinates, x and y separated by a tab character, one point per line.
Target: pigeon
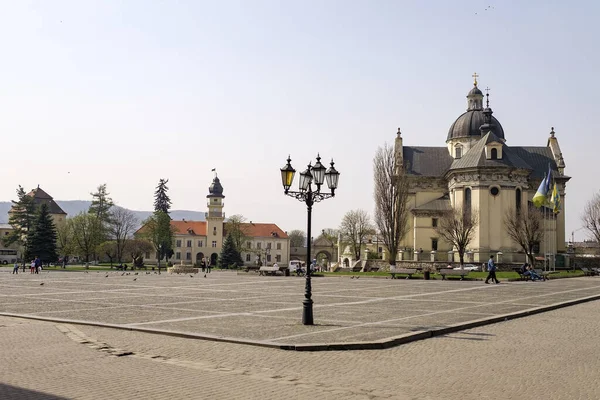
352	277
136	273
123	274
191	276
135	279
106	276
205	275
42	284
357	277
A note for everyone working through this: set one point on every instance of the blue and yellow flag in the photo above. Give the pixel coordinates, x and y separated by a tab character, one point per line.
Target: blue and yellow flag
555	200
540	197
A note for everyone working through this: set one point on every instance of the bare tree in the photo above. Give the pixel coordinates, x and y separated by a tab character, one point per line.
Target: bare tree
122	224
355	227
591	217
457	227
391	200
87	232
297	238
238	230
525	229
108	249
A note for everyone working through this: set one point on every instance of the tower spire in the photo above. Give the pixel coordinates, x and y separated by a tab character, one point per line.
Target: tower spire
487	97
475	76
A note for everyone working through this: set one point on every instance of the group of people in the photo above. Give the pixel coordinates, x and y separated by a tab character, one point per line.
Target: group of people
36	266
526	270
205	265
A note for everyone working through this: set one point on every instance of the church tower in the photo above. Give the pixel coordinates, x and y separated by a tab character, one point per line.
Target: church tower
215	217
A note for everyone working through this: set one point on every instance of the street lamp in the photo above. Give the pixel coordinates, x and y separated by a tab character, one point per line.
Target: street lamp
314	174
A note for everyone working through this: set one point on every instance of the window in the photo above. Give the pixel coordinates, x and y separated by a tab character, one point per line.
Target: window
259	245
200	244
434	222
249	245
467	205
380	249
269	245
189	243
458	152
5	233
215	231
518	199
494	191
178	243
278	246
494	154
188	256
268	258
178	256
278	258
248	257
214	243
147	254
434	244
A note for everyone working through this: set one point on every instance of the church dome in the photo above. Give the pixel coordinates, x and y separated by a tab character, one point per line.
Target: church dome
215	189
475	91
468	125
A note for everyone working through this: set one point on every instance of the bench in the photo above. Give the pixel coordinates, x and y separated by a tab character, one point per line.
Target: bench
589	271
406	271
268	270
453	272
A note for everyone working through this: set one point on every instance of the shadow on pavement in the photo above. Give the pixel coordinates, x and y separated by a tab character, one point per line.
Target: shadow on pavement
17	393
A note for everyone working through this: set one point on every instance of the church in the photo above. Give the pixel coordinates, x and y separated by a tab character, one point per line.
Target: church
478	171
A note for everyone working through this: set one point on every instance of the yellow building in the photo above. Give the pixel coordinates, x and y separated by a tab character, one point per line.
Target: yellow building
477	170
41	197
197	240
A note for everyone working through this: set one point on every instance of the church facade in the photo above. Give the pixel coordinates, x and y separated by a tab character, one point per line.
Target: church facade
477	171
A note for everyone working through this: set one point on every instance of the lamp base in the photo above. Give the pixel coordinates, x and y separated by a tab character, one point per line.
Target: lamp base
307	312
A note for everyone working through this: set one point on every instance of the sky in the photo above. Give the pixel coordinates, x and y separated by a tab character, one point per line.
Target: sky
128	92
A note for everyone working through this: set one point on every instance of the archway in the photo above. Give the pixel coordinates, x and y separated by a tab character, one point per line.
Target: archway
214	257
346	263
323	258
199	257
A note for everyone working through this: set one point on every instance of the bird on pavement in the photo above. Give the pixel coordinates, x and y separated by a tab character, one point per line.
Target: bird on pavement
42	284
135	279
123	274
106	276
205	275
191	276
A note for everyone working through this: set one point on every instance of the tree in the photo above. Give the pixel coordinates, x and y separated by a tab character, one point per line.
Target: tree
236	228
297	238
123	223
64	239
21	218
161	199
41	238
159	232
457	227
525	229
591	217
355	227
108	249
86	230
136	248
101	204
230	256
391	200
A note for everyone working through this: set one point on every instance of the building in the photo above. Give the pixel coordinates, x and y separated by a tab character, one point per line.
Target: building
198	240
477	171
41	197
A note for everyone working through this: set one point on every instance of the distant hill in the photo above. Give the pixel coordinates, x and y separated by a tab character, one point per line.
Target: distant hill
74	207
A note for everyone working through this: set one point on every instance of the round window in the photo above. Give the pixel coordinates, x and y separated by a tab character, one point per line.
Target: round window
494	191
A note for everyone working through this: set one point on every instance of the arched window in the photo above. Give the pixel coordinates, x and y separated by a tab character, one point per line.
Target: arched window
467	205
458	151
494	154
518	200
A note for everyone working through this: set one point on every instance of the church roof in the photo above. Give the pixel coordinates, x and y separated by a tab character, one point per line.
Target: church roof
41	197
475	156
426	161
467	125
441	204
538	158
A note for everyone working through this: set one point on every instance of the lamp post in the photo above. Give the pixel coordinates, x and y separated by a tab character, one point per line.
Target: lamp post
314	174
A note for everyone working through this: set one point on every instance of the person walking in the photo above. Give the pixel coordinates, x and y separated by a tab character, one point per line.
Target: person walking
208	266
491	267
16	268
32	267
38	264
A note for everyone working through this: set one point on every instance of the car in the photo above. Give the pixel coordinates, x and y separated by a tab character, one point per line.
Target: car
471	267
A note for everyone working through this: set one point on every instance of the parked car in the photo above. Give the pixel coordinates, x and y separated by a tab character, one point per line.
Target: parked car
471	267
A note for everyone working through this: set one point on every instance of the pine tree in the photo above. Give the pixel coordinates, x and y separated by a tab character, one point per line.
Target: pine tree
41	238
21	218
229	257
161	199
101	204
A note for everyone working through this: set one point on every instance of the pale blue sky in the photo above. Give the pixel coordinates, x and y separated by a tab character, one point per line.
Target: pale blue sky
127	92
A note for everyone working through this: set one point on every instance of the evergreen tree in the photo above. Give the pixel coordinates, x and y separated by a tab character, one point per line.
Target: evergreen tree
41	238
21	218
101	204
162	202
230	257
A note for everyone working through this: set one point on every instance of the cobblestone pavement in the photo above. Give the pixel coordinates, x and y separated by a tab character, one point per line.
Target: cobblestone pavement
252	308
553	355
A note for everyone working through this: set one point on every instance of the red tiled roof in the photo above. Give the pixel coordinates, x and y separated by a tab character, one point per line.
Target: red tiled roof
190	227
263	230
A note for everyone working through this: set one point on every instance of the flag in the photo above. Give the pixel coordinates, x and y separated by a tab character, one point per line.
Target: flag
555	199
540	197
549	179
